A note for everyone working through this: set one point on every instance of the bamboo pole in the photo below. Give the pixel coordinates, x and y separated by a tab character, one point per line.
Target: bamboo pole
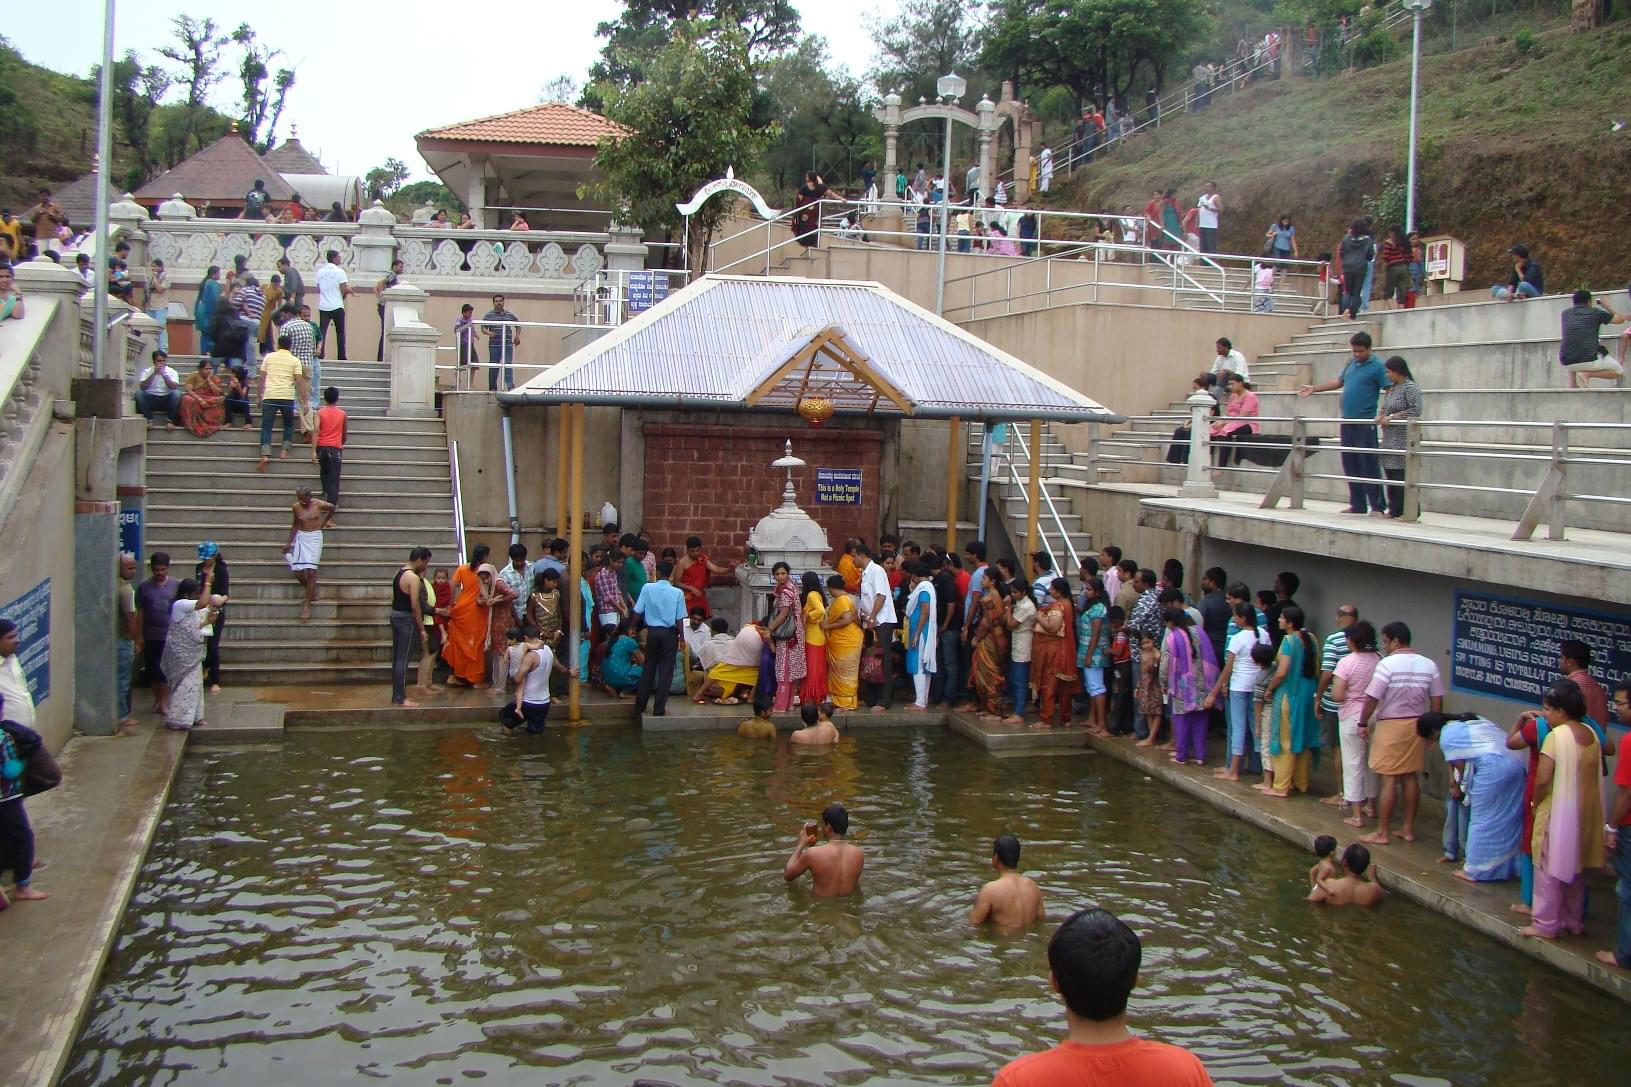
574	695
1034	496
954	479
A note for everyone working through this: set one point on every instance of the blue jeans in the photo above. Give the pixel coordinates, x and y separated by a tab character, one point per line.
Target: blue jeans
127	671
252	328
1141	725
269	408
1239	709
1502	292
497	354
314	371
1019	685
1362	496
922	234
169	403
162	317
1364	291
965	241
943	687
1457	816
1622	869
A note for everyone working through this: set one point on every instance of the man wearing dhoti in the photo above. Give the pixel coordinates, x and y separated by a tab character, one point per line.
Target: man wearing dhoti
305	548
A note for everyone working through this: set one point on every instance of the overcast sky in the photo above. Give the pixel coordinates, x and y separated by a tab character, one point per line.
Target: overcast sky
370	76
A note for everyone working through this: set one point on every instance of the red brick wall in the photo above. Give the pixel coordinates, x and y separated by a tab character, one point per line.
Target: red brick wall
716	482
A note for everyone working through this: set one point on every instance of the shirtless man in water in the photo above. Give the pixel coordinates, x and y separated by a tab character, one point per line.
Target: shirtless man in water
835	868
1011	900
1350	888
305	548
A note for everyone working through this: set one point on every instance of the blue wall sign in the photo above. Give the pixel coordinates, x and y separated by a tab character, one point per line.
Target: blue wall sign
646	289
838	486
32	614
1507	647
130	530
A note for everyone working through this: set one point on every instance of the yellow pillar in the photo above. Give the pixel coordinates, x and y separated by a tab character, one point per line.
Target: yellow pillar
955	460
1034	505
574	516
562	456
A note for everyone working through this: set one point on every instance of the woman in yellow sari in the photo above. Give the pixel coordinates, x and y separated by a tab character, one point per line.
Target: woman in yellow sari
844	638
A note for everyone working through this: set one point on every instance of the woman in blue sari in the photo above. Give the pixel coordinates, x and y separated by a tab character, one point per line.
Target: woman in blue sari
1492	779
204	308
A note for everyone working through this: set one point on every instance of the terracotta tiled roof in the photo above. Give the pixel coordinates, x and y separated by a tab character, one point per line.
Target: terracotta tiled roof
219	174
290	157
551	123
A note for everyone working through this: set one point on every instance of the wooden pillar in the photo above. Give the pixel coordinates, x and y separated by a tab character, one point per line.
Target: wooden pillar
1034	495
562	456
574	504
955	460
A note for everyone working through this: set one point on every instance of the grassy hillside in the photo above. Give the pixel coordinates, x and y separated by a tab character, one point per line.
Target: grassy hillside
1516	145
63	140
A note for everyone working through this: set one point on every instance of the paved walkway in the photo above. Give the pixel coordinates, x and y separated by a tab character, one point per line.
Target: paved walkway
1408	869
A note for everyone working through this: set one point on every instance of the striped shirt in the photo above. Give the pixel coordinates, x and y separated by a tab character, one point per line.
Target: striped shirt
251	300
1403	685
1336	647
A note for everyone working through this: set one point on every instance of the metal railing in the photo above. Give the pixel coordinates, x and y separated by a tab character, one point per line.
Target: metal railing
458	498
1545	502
1016	437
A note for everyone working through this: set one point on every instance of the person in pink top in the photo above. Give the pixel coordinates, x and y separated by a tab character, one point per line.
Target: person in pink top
1239	417
1404	686
1352	675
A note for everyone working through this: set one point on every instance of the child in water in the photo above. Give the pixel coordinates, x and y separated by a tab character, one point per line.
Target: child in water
1351	888
1325	867
1149	688
759	726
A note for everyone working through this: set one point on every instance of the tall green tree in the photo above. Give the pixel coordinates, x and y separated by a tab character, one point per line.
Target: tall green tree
688	120
383	181
137	90
262	104
196	51
645	26
825	125
926	40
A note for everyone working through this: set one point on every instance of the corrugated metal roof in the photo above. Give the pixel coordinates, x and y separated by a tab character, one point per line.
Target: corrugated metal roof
715	341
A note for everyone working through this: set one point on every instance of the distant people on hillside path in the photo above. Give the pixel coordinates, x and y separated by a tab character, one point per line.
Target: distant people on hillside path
1353	257
1281	239
1045	169
1526	280
1209	204
1581	354
807	213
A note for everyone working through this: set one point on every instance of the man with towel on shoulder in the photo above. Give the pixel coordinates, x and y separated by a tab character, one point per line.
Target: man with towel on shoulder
305	548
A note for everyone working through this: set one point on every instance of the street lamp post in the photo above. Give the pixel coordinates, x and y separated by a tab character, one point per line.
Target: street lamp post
1417	8
950	88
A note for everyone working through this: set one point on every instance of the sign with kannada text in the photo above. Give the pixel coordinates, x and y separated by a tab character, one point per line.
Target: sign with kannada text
838	486
646	289
130	531
32	614
1507	647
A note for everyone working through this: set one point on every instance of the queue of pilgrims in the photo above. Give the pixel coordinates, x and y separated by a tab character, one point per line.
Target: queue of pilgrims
1129	652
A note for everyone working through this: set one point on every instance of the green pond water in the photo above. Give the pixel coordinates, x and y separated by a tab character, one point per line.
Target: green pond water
604	907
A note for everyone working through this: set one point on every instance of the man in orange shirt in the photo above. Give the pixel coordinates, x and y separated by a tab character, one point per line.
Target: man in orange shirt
1093	963
331	426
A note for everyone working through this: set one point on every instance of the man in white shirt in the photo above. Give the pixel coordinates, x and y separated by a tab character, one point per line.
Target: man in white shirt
19	700
877	607
1229	359
1209	204
333	286
159	389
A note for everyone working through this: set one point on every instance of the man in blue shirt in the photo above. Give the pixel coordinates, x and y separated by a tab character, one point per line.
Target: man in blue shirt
1361	383
661	606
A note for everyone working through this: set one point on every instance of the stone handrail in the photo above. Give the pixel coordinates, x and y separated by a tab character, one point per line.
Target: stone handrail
39	357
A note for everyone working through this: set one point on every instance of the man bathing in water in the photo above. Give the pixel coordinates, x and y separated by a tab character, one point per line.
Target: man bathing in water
1350	887
835	868
1011	900
305	548
818	727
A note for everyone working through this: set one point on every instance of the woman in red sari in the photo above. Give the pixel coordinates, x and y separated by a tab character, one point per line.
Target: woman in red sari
694	574
1053	655
467	624
814	691
990	666
203	405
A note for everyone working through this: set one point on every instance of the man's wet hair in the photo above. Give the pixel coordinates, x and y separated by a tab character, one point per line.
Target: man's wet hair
809	714
763	703
837	818
1006	850
1356	859
1094	959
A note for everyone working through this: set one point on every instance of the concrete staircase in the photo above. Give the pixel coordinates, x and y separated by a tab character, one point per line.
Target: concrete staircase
1064	478
394	495
1197	284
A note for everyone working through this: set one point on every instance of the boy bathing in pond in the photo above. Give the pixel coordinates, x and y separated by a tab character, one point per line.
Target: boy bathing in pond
818	727
1011	900
759	726
1325	867
1351	888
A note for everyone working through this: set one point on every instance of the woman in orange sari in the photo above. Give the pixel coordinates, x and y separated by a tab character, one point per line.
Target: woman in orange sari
1053	655
467	625
990	666
203	405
